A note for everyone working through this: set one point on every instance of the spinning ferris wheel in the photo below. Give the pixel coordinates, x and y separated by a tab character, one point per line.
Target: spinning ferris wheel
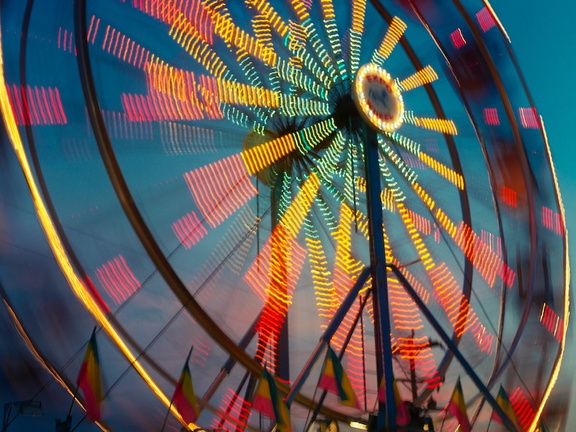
228	174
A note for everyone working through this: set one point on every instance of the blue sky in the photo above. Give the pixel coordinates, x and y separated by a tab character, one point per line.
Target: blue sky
543	37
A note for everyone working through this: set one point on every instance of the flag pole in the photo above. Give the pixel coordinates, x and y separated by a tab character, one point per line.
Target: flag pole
443	420
167	413
77	383
73	399
489	423
75	394
172	398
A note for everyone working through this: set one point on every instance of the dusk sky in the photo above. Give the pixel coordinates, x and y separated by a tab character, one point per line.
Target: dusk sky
543	37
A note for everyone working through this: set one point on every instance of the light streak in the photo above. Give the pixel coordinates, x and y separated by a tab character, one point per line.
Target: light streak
419	78
391	38
457	39
59	250
118	280
440	125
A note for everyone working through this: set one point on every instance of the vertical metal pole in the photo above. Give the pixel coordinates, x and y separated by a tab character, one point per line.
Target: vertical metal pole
386	412
282	356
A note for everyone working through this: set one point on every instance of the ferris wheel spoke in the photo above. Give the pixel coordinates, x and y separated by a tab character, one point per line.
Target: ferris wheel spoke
274	273
421	77
414	148
446	289
391	38
444	126
222	187
333	34
356	33
299	38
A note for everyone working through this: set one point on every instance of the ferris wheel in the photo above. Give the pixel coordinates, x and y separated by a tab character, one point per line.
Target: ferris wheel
228	174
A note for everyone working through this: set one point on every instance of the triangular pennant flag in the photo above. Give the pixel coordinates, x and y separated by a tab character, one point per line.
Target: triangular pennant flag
457	407
268	401
335	380
184	397
504	403
402	413
90	380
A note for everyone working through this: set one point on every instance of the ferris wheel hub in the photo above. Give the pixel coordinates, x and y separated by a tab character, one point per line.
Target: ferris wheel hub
378	98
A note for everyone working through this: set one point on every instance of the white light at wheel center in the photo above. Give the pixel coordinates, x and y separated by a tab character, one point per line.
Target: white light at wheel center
378	98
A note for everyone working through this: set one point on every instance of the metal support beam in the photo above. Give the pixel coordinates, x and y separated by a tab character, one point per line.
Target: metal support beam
453	348
386	412
327	335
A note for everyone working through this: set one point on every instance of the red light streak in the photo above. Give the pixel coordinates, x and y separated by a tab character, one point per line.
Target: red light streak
65	41
524	411
552	221
273	277
170	11
457	39
491	116
93	29
485	19
552	322
189	230
220	188
529	118
36	105
232	417
508	196
117	279
124	48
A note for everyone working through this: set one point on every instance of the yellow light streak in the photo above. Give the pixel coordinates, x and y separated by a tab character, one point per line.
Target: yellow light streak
294	217
391	38
356	32
235	36
58	249
264	155
275	20
300	9
448	173
440	125
333	36
184	33
420	78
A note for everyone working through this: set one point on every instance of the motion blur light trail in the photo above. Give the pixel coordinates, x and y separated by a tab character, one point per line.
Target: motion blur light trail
198	170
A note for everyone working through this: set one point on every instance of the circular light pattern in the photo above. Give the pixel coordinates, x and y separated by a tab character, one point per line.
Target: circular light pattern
217	198
378	98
